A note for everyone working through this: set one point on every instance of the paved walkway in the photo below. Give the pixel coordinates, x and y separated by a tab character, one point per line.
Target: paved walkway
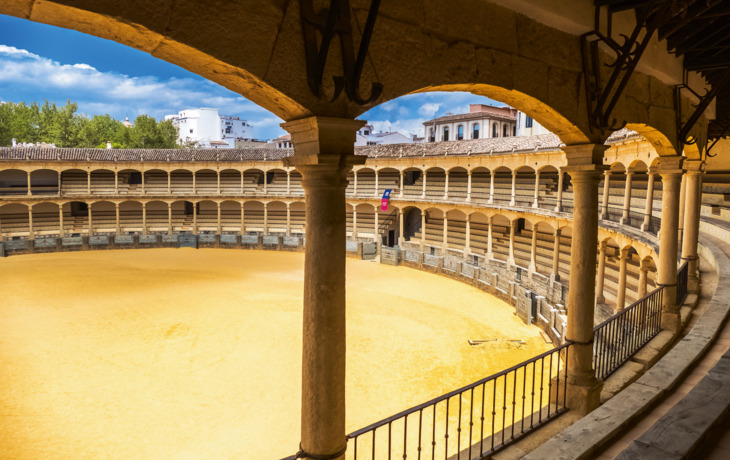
720	448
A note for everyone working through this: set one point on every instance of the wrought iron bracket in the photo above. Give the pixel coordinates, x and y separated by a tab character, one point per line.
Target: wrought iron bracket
602	96
336	21
684	127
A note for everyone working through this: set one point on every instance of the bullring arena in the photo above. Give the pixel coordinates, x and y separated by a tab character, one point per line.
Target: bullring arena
607	238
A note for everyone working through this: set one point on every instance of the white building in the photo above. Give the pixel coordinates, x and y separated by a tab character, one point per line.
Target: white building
208	129
482	121
526	126
366	136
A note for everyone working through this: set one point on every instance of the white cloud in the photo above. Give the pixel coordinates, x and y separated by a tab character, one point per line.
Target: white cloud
389	106
407	127
429	110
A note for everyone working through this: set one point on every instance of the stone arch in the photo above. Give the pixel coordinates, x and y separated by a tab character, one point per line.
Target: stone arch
181	181
13	181
157	215
231	181
231	214
207	218
104	216
206	181
130	216
14	220
155	182
297	216
253	217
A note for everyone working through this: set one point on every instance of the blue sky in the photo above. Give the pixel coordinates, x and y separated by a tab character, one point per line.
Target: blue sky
38	62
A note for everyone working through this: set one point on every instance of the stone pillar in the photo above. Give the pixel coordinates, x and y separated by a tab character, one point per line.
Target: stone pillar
31	232
601	272
468	185
643	272
354	175
682	199
88	183
91	222
376	183
625	218
118	226
220	224
423	229
621	294
490	254
61	231
288	219
194	187
467	242
144	218
243	222
169	183
536	199
266	181
324	153
606	193
28	192
512	201
400	191
511	255
555	275
266	219
585	163
288	182
142	176
559	206
670	168
491	187
354	222
423	192
377	226
446	186
533	251
693	194
445	242
648	207
195	218
401	239
169	218
218	173
116	183
243	187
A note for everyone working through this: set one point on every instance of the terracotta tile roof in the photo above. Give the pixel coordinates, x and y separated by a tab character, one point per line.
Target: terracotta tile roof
473	147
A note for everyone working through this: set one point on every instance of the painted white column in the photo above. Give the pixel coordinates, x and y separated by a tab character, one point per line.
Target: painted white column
535	201
446	186
626	217
601	272
621	294
512	201
606	192
468	186
648	206
559	205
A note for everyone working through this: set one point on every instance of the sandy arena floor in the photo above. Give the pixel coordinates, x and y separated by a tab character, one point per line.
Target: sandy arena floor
185	354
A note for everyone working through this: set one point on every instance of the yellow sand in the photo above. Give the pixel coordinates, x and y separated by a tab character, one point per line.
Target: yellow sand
185	354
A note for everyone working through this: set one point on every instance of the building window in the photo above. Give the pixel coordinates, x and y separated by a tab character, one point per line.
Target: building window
505	130
431	137
446	133
460	132
514	130
229	129
475	131
495	130
191	131
366	133
372	143
528	122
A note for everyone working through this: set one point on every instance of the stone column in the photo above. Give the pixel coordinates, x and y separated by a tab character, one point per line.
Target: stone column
606	193
28	192
376	183
625	218
648	207
169	183
468	185
116	183
400	191
324	153
533	251
220	223
535	201
266	181
446	186
490	254
670	168
621	294
144	218
88	183
354	175
377	226
467	242
195	218
585	163
512	201
288	182
555	275
511	254
243	187
61	231
559	205
266	219
491	187
91	223
31	232
288	219
682	199
243	222
601	272
218	173
194	187
143	190
445	243
643	272
118	226
423	192
423	229
354	222
693	194
169	218
401	239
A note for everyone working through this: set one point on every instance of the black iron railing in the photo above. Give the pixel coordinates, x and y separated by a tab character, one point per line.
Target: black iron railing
618	338
682	275
473	421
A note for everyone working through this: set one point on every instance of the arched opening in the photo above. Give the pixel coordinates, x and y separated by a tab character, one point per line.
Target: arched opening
500	237
253	217
435	183
155	182
129	182
104	217
13	182
102	182
433	234
276	218
295	183
157	215
412	182
14	220
505	130
207	216
475	131
525	186
445	135
130	217
364	225
76	182
456	230
182	182
460	133
46	219
388	179
253	181
43	182
411	222
479	233
231	214
276	182
458	184
365	182
548	187
75	218
231	182
206	182
298	221
502	185
182	215
495	130
480	184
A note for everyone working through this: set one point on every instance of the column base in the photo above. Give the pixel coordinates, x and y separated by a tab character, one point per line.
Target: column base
489	255
671	321
600	299
645	227
535	205
582	398
531	268
624	220
693	284
512	203
558	208
468	198
554	277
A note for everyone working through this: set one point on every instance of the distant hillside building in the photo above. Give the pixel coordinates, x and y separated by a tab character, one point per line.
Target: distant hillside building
482	121
208	129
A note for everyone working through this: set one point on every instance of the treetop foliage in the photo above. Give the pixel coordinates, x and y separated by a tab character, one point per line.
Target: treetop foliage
64	127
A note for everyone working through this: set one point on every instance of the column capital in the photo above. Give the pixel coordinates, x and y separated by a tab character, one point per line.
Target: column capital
694	167
585	157
670	165
607	172
323	141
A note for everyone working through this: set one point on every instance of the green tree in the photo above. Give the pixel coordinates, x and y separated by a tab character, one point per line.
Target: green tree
100	129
